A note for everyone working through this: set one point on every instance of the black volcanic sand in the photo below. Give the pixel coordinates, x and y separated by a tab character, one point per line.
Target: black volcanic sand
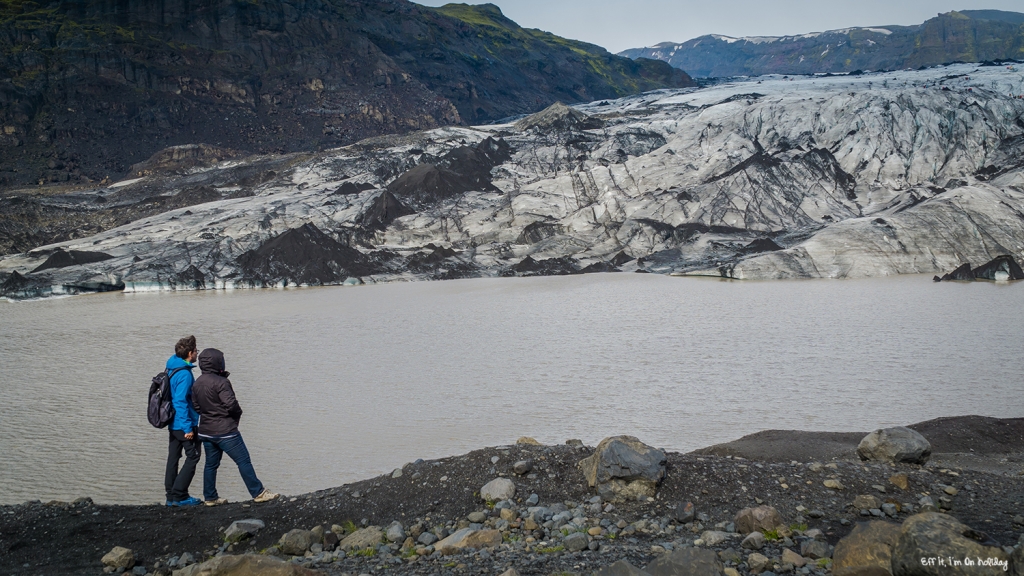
66	538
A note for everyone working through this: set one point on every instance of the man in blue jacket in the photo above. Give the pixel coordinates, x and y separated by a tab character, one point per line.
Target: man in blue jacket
183	428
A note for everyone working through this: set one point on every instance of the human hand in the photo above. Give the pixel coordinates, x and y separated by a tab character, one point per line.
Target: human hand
190	435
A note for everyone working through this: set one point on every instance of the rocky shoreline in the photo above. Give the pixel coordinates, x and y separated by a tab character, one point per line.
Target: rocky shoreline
776	502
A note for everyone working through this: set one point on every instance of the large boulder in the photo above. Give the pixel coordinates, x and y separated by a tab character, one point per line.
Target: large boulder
928	542
296	542
899	444
498	489
119	557
623	468
396	532
243	529
758	519
866	551
686	562
362	539
468	538
246	565
576	542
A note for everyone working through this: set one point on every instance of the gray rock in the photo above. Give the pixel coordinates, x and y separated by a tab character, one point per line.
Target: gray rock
538	513
397	473
815	549
758	519
396	532
476	517
754	541
623	468
757	562
296	542
620	568
899	444
498	489
889	509
427	538
866	550
684	512
866	502
362	539
469	538
792	558
331	541
523	467
935	535
686	562
246	565
575	542
243	529
815	534
533	500
730	555
715	537
1017	559
186	559
119	557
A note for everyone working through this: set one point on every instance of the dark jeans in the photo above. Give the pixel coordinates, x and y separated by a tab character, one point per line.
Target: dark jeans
176	482
236	450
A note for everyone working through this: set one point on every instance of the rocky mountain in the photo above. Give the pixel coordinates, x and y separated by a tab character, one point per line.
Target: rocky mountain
965	36
837	177
88	89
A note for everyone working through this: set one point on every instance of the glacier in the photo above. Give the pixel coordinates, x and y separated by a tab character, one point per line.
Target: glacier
910	172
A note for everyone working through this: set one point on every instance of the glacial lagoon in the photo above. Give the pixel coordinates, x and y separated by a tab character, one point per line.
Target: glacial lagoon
343	383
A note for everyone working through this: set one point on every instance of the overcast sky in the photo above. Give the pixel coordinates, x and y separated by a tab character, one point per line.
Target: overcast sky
620	24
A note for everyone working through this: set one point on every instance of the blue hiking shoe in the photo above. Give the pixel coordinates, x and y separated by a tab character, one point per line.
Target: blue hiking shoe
193	501
169	503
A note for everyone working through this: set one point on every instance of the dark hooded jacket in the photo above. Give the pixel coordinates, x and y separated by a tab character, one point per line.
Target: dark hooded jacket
214	398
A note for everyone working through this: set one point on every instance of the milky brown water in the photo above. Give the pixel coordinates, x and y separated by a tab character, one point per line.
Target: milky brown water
341	384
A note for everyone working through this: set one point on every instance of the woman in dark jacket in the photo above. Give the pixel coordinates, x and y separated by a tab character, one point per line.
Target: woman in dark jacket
219	414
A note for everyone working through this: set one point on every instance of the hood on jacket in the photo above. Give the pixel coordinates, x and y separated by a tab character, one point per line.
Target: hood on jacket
211	361
176	362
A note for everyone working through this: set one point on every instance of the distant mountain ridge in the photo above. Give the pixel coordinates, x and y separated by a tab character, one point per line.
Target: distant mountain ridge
964	36
88	89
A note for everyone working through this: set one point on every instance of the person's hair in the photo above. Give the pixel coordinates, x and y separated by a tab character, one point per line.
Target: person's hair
184	347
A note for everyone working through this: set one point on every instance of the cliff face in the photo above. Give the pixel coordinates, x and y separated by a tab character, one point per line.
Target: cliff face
840	177
90	88
968	36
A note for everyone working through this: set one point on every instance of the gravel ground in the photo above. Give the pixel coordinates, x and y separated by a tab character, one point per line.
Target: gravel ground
976	472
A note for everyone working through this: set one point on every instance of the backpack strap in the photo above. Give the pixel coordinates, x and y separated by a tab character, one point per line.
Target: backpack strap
178	369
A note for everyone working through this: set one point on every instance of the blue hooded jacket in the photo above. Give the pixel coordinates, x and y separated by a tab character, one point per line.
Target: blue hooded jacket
185	416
